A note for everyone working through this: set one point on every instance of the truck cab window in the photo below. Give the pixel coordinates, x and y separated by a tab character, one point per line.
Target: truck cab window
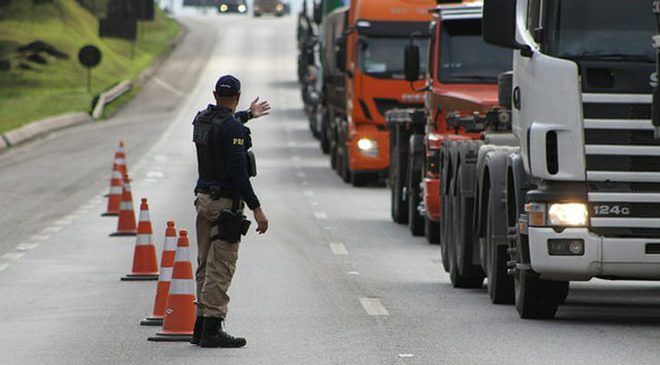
618	30
381	57
466	58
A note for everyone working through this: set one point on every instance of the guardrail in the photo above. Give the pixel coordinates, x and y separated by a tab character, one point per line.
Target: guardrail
109	96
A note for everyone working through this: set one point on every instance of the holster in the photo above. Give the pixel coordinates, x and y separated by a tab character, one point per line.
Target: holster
232	224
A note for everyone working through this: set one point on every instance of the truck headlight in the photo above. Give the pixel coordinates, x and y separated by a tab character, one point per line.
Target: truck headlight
224	8
368	147
568	214
242	8
279	7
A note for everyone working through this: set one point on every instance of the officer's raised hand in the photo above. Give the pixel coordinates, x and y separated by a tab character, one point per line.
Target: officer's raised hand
259	109
262	221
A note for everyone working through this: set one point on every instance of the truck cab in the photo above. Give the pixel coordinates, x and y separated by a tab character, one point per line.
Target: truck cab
583	195
375	82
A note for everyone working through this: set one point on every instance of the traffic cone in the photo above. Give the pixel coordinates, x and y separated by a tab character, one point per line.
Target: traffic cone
163	288
180	310
114	197
126	223
145	263
120	158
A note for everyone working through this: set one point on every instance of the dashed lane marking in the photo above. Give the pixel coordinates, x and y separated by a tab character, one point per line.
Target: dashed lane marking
373	307
3	266
338	249
406	356
320	215
27	246
52	229
353	273
155	174
40	237
13	255
87	207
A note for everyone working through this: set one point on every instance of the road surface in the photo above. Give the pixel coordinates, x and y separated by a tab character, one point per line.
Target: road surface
333	282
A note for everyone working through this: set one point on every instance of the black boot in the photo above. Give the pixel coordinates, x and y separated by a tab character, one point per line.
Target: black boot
214	336
197	333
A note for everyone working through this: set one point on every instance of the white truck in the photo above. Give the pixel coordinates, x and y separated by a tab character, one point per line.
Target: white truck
581	192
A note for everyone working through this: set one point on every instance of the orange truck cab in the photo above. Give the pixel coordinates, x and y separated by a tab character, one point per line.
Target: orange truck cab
461	78
377	31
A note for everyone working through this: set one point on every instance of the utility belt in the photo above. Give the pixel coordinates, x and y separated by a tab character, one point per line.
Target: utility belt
217	193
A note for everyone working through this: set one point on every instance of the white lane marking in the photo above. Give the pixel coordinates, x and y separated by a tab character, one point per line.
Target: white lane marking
27	246
63	222
95	200
301	175
71	217
3	266
88	206
373	307
155	174
41	237
406	356
308	193
353	273
52	229
80	212
168	87
160	158
327	228
338	249
320	215
13	255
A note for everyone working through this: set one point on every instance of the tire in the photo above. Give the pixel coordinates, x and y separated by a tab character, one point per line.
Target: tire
537	298
500	284
345	171
397	178
446	213
324	138
431	231
463	273
415	220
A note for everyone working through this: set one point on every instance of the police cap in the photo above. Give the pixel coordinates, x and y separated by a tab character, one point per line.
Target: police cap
227	86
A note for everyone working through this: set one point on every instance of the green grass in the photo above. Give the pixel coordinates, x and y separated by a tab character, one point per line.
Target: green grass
60	86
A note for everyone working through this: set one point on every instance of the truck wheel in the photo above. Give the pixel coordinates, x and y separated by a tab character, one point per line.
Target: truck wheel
462	272
500	284
345	171
537	298
397	179
324	138
446	238
415	220
431	231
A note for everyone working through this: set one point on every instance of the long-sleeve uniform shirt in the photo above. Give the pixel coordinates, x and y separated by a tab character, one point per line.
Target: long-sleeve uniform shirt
228	144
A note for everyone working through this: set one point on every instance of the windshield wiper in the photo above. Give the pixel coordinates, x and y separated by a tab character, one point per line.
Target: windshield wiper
474	77
615	57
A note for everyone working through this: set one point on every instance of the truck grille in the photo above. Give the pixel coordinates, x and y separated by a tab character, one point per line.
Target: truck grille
623	165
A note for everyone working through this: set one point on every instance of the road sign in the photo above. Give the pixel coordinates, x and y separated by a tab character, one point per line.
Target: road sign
89	56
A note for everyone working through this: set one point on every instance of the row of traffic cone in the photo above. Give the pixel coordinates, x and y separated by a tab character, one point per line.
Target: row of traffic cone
174	306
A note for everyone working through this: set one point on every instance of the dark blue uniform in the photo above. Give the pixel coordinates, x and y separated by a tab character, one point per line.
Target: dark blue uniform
222	144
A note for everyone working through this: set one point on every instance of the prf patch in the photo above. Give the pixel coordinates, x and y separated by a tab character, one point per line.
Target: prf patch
239	141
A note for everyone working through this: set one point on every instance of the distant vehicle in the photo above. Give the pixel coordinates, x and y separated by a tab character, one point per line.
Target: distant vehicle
275	7
232	6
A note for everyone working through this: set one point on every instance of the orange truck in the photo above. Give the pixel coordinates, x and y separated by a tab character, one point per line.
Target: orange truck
369	54
461	78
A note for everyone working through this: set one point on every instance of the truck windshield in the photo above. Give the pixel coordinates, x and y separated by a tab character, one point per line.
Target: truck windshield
466	58
383	57
599	29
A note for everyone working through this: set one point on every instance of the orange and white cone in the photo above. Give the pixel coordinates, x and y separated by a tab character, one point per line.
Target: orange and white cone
163	288
145	263
126	223
114	196
180	318
120	158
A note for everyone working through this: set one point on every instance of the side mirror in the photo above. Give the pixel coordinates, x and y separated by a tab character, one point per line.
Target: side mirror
318	12
411	62
340	53
499	25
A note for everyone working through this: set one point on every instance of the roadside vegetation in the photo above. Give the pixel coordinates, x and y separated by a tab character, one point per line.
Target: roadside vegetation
43	79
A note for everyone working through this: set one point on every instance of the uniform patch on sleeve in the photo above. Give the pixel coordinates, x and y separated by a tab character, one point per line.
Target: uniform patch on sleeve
238	141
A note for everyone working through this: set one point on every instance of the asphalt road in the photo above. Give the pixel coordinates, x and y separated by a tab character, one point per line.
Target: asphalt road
333	282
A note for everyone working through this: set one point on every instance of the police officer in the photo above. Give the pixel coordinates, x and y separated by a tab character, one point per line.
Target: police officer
222	143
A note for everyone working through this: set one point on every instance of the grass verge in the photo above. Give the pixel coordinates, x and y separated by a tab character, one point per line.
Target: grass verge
59	86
